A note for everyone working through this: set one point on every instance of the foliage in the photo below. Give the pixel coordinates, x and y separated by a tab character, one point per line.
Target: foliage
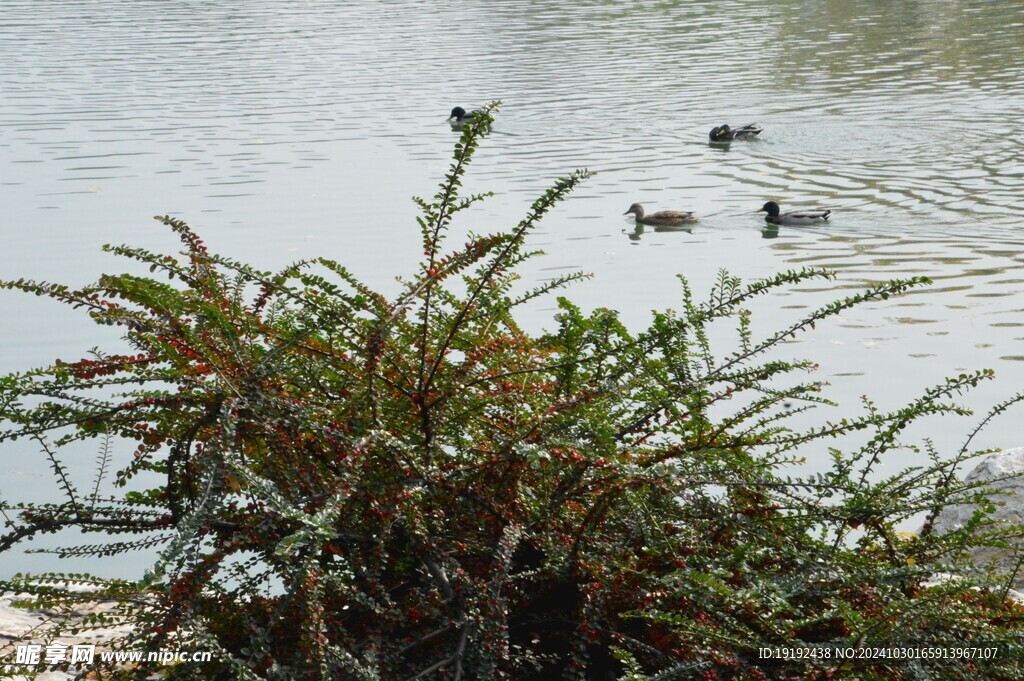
358	487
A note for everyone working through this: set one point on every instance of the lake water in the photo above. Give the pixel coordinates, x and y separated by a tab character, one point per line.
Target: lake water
283	130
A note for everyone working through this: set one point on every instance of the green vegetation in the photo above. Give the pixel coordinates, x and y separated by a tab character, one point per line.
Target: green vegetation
357	487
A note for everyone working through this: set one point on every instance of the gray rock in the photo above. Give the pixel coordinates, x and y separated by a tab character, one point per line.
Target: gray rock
19	626
1009	502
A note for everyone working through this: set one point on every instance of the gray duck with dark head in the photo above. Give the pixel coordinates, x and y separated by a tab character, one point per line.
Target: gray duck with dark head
725	133
459	117
793	217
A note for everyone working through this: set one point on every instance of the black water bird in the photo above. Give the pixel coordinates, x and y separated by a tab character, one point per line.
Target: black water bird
794	217
724	133
460	117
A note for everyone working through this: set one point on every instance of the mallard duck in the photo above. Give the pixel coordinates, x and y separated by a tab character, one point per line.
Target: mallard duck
794	217
665	218
459	117
723	133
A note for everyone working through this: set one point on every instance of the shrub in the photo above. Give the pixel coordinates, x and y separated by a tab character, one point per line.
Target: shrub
358	487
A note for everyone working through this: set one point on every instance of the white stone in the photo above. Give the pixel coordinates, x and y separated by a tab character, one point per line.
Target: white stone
1004	474
22	626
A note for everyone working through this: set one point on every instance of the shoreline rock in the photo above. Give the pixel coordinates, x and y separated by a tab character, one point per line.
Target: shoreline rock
1003	473
20	626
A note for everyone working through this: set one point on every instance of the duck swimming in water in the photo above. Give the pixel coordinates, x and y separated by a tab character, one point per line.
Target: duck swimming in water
460	117
794	217
723	133
665	218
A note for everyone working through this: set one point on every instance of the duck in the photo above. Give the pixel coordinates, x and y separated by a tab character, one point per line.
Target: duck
794	217
723	133
665	218
460	117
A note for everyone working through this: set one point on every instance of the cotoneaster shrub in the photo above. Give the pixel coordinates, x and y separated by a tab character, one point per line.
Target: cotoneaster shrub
363	487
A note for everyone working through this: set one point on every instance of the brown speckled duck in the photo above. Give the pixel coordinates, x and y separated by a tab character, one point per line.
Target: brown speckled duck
664	218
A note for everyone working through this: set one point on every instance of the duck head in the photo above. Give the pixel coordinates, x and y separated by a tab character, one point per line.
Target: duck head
457	113
771	208
636	209
720	132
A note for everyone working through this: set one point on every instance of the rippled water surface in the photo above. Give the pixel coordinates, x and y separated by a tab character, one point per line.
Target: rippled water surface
283	130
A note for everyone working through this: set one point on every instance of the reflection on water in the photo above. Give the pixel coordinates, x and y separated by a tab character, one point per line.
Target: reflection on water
287	130
639	230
